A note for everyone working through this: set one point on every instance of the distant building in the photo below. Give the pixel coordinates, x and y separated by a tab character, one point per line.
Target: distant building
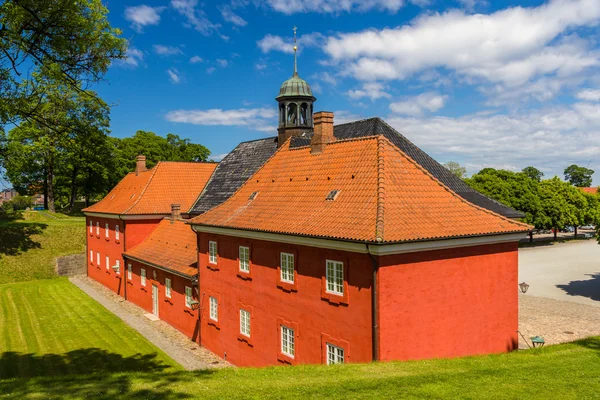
592	190
7	195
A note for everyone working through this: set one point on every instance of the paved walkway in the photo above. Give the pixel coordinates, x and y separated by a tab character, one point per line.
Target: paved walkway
179	347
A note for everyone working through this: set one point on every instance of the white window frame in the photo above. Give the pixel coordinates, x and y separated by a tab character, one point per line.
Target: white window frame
98	259
214	308
118	267
245	317
107	263
212	252
91	226
143	277
334	277
106	230
98	228
285	267
168	288
129	271
244	256
188	296
117	233
92	256
335	354
288	341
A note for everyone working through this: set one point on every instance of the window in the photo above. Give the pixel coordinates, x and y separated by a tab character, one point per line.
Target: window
188	297
118	267
106	230
244	322
91	226
92	256
98	259
97	228
335	355
335	277
129	271
287	341
214	308
287	267
244	259
116	232
107	262
212	252
143	277
168	288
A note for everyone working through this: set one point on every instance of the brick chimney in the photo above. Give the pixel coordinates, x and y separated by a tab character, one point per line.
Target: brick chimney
323	132
140	165
175	212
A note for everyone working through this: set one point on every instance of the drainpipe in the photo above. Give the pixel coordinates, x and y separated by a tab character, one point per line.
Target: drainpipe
375	328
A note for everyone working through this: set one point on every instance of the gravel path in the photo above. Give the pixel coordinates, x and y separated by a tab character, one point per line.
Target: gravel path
557	321
179	347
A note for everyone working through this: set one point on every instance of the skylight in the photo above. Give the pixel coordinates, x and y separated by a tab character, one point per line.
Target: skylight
253	196
332	195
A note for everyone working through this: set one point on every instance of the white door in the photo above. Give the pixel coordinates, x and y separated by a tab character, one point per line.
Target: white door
155	300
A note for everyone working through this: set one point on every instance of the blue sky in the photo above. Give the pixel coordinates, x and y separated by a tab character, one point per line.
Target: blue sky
501	84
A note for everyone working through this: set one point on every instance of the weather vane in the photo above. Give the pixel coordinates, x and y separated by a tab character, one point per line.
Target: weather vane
295	50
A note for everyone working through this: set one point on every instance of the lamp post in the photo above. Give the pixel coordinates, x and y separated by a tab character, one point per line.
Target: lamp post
523	287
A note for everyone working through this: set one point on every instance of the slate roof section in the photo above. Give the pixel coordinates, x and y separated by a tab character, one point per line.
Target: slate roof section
376	126
232	172
384	196
153	191
171	246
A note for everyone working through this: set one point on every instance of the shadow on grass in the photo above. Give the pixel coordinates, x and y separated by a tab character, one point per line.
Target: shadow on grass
15	238
82	361
589	288
592	343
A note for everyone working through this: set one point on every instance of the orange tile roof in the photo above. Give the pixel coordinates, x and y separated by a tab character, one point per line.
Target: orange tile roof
153	191
171	246
592	190
384	196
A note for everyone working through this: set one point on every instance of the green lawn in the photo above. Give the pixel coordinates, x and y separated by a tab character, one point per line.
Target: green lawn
50	327
29	247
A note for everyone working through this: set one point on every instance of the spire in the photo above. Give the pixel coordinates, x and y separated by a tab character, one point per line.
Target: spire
295	51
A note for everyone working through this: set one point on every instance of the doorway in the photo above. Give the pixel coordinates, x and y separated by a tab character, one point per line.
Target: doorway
155	300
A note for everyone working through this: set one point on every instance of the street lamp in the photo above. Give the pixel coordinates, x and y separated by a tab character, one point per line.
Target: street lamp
524	287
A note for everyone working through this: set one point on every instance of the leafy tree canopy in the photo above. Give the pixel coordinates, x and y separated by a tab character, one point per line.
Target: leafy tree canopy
579	176
456	169
533	173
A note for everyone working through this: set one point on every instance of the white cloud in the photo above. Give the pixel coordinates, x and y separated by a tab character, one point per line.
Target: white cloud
256	118
143	15
510	47
210	70
549	139
133	58
260	66
372	90
196	60
589	94
334	6
343	116
174	75
222	63
195	17
166	50
325	77
417	105
218	157
232	17
286	45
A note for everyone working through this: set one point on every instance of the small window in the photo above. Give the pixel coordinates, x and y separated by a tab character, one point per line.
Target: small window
117	235
253	196
214	309
332	195
335	277
244	322
91	226
92	256
106	230
97	228
287	267
129	271
98	259
107	262
143	277
168	288
244	259
287	341
118	267
335	355
212	252
188	297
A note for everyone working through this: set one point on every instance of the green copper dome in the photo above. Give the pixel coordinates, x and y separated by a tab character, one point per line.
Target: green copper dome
293	87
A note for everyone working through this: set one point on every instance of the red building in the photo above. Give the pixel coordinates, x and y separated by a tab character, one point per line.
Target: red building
349	250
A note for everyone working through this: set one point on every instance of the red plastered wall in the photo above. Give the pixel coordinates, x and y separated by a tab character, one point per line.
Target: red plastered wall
315	318
138	230
105	246
448	303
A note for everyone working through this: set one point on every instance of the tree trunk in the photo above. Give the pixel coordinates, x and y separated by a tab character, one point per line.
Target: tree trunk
73	188
530	236
45	189
50	184
555	233
575	231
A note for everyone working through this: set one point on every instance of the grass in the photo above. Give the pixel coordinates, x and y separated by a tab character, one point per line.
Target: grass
29	247
50	327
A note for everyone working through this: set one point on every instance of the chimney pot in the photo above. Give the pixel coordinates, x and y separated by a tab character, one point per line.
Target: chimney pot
323	132
140	164
175	212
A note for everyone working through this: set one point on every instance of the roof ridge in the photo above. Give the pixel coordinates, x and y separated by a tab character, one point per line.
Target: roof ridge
154	169
452	192
188	162
379	224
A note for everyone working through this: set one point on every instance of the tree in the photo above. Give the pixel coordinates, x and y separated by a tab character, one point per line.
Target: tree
456	169
579	176
533	173
69	42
